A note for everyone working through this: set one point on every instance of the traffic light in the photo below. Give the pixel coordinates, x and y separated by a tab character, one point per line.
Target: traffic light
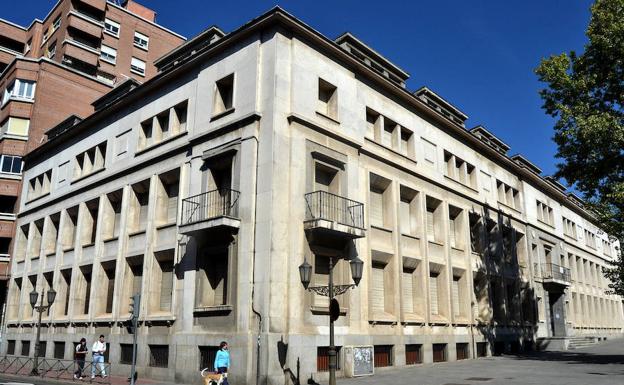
135	305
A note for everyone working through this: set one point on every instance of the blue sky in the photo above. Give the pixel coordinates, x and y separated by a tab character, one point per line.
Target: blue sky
479	55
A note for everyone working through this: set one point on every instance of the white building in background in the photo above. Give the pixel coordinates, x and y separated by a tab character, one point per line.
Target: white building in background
206	187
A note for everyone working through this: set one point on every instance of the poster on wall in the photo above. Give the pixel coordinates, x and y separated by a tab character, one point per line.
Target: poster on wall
363	360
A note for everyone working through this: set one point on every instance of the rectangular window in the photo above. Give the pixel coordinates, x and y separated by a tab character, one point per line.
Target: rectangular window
10	347
140	40
481	349
25	348
59	350
462	351
51	50
90	161
166	124
433	293
207	356
159	356
322	358
20	89
327	99
139	204
137	66
212	279
439	352
413	354
430	152
57	23
223	95
383	356
125	354
111	27
108	54
11	164
407	281
377	295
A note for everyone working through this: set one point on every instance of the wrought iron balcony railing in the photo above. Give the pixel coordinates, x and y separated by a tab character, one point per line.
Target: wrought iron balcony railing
210	205
556	272
331	207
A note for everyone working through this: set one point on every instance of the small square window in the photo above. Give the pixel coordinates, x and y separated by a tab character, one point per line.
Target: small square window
141	41
111	27
224	94
327	99
137	66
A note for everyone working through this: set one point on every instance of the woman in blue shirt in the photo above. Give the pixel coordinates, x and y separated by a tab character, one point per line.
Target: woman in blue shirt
222	361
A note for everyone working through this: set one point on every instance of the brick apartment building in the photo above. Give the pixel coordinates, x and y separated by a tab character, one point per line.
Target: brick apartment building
55	68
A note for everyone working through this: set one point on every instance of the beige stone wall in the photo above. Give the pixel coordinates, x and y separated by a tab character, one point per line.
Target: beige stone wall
207	223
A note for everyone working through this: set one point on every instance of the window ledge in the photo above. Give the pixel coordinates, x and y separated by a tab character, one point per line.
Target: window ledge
108	61
438	320
68	249
111	239
380	228
104	318
461	184
160	317
17	99
509	207
88	175
138	232
166	225
545	223
413	319
7	135
9	175
5	257
49	253
162	142
222	114
463	321
111	34
412	236
333	120
91	244
37	198
457	249
216	310
137	72
435	242
34	257
323	310
146	49
8	216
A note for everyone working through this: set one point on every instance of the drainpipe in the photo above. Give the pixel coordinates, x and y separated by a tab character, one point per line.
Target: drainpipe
253	270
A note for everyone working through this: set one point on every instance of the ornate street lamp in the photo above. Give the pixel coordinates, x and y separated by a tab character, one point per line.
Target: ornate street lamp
305	272
34	296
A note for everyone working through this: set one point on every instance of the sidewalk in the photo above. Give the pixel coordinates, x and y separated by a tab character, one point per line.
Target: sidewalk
114	380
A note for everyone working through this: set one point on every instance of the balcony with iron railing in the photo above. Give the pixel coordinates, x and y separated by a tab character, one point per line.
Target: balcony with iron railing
216	209
333	215
552	273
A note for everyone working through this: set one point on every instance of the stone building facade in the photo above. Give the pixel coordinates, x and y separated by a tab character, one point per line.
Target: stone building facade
206	187
55	68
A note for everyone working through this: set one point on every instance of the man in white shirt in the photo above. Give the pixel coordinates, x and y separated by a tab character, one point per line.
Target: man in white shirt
98	350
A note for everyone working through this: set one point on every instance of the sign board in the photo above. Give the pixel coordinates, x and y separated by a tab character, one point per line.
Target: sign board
359	361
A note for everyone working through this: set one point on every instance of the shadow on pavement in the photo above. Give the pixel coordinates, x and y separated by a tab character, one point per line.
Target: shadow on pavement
572	357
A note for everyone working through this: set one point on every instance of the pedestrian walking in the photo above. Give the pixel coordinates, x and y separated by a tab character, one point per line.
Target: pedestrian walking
81	356
98	350
222	361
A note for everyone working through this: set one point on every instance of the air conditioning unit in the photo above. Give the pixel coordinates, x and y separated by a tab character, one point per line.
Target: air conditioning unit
359	360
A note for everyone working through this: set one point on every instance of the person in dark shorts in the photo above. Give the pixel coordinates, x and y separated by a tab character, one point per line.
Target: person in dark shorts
81	354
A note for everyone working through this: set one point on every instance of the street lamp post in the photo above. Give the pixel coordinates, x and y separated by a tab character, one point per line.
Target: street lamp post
331	290
34	296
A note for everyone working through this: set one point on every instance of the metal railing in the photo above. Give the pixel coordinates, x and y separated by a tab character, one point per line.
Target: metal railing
52	368
332	207
209	205
553	271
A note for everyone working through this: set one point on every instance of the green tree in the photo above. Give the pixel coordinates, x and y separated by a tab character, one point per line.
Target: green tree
585	94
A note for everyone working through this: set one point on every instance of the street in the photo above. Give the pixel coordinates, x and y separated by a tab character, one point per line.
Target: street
602	364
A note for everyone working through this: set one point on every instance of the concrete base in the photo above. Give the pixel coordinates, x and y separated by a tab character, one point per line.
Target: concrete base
552	344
